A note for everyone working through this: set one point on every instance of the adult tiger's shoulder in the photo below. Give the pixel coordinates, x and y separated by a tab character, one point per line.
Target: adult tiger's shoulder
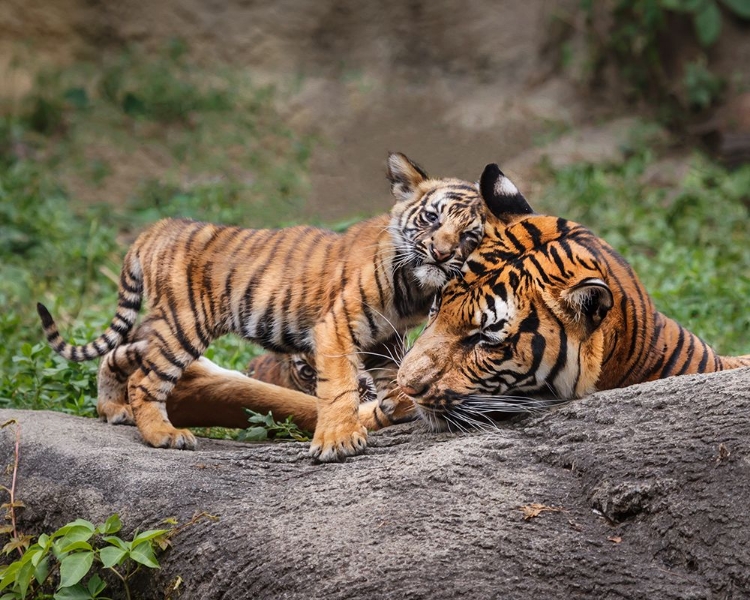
545	310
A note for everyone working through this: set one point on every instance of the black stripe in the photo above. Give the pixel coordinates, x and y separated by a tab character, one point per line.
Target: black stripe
667	370
179	332
367	311
161	374
689	355
704	358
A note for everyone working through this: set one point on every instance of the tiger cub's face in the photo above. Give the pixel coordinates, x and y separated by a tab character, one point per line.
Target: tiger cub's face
436	223
297	372
524	320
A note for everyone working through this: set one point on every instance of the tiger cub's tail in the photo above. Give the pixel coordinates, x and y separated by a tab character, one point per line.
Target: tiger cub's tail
130	295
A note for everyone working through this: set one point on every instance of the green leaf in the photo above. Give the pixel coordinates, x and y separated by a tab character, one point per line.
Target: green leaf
253	434
111	525
739	7
23	579
76	592
132	105
76	546
96	585
116	541
144	554
74	567
42	570
77	96
147	536
77	524
111	556
8	575
708	24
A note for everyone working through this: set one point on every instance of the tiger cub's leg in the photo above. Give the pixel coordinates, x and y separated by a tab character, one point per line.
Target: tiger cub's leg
116	367
338	433
164	362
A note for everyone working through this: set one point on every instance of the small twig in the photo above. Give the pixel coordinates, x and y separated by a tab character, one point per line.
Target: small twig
12	490
124	581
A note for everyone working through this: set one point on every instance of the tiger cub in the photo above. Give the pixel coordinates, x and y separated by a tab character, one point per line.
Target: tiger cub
545	311
300	289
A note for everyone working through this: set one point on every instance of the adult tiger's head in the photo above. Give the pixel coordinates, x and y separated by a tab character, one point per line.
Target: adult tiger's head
535	314
435	223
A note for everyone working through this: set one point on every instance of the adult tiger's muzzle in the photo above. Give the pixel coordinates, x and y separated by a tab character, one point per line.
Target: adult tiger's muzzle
419	371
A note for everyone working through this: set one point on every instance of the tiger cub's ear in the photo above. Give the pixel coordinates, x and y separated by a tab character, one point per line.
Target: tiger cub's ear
501	196
588	302
404	175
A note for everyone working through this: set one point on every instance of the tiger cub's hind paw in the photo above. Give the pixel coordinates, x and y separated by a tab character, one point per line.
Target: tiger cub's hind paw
336	444
115	413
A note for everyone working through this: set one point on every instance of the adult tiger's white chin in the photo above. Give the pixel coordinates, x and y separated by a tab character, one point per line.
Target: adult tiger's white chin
432	419
431	277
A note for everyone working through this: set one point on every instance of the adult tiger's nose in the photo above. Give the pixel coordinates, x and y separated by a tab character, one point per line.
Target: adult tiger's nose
439	255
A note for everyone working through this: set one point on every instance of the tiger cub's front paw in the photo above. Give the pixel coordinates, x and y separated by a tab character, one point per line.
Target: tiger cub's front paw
163	435
334	444
398	408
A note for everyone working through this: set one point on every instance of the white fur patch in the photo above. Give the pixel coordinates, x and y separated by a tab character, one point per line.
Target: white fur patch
430	277
505	187
215	369
484	316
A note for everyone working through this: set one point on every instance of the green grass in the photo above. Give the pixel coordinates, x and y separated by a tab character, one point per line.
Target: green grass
228	157
245	167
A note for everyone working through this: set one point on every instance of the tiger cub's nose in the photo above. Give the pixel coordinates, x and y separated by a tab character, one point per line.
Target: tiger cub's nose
440	255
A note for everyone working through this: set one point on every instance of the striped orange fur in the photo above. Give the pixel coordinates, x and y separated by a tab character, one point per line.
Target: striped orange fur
300	289
545	311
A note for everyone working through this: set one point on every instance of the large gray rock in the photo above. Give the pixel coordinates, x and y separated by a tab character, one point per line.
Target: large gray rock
650	505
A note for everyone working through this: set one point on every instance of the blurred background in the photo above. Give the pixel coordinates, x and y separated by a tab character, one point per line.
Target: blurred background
631	116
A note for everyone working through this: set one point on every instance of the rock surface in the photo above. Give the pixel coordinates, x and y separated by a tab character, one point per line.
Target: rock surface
649	487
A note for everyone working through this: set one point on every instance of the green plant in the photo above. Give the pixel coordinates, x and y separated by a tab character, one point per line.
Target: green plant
66	563
56	565
264	427
701	86
706	15
637	36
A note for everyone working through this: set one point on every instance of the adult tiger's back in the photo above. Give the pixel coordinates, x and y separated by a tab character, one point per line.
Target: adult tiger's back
300	289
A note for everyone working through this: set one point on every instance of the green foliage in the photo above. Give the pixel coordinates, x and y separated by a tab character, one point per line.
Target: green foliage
637	34
248	169
264	427
688	245
69	563
701	86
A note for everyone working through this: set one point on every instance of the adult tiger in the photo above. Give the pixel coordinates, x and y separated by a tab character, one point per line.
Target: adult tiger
300	289
545	309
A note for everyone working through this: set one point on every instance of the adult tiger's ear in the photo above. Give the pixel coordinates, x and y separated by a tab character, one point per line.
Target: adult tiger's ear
588	302
404	175
502	196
